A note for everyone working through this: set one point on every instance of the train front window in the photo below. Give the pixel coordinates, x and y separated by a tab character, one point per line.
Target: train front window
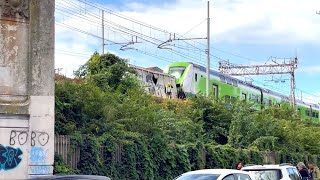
177	71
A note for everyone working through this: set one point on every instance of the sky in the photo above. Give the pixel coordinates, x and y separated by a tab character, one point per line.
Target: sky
241	31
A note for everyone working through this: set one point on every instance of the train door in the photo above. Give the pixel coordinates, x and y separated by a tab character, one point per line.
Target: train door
244	97
215	90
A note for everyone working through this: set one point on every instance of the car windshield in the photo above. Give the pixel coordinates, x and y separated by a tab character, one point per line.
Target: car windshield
199	177
266	174
176	71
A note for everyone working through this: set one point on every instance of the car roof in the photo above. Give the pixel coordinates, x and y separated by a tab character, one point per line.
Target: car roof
267	167
70	177
216	171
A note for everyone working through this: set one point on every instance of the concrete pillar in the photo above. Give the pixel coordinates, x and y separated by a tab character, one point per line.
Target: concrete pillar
26	88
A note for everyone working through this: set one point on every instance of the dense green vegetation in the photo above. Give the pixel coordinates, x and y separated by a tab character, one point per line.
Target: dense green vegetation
160	139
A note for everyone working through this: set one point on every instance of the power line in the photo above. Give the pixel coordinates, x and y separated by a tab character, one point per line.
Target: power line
119	27
138	22
76	55
79	53
123	30
162	30
124	17
98	17
181	54
194	27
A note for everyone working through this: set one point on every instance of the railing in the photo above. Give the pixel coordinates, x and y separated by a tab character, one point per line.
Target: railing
63	147
71	155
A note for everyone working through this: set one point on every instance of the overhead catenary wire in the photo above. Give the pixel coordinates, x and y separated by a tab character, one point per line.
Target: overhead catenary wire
117	26
129	32
178	53
147	40
138	22
94	5
194	27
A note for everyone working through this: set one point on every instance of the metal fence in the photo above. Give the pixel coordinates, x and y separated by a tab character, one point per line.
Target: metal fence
62	146
71	155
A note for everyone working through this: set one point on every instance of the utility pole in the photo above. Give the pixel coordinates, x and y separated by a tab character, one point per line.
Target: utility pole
293	87
287	67
102	31
208	52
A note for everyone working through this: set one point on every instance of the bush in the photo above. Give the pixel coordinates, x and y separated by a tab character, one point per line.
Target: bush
60	167
104	106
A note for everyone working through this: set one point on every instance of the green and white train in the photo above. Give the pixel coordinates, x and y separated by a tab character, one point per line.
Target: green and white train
191	80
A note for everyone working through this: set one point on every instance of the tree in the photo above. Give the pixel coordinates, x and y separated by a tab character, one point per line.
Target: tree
108	71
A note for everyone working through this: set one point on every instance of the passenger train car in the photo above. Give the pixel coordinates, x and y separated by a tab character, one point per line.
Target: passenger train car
191	80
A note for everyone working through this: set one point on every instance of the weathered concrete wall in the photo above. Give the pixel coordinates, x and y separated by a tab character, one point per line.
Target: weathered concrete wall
26	88
155	82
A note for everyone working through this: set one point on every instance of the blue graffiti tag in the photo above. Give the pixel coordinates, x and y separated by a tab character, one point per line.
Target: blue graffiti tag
9	157
40	170
38	155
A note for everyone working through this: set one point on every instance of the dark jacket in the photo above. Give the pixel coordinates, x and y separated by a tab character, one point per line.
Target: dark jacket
304	173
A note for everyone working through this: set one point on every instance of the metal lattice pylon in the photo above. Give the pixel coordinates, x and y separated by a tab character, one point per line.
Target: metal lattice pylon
286	67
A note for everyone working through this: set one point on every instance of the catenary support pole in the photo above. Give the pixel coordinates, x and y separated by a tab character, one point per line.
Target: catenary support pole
208	52
102	31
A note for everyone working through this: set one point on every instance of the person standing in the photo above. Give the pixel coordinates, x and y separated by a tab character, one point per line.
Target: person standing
303	171
169	88
314	171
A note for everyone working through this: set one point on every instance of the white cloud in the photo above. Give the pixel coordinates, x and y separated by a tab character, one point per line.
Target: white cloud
263	21
311	70
232	21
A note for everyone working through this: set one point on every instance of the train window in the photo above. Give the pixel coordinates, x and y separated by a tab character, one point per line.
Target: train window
317	115
307	112
229	81
244	96
253	97
313	114
234	99
227	98
270	102
222	79
176	71
235	82
196	77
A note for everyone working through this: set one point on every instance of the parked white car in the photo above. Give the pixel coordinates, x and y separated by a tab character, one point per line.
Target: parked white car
216	174
274	172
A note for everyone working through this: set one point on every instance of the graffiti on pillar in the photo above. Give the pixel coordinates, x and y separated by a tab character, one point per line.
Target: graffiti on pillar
22	137
38	155
9	157
40	170
42	138
18	137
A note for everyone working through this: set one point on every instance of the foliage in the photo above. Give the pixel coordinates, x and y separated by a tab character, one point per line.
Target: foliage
124	133
108	71
60	167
